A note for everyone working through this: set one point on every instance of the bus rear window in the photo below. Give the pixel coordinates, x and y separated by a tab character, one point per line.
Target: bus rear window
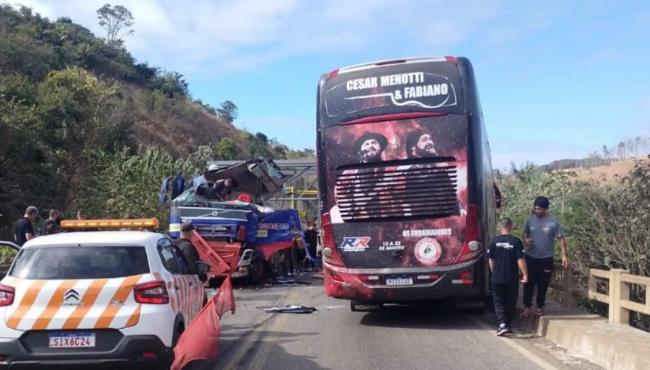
54	262
391	89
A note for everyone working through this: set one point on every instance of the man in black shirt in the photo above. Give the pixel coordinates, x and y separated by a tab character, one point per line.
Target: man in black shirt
24	227
506	253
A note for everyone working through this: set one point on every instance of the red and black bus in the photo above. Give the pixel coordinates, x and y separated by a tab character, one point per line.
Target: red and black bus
405	179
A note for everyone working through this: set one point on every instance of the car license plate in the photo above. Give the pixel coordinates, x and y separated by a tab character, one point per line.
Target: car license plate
399	281
72	340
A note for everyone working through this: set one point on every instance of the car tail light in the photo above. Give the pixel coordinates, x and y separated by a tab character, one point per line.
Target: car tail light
472	246
330	252
7	294
153	292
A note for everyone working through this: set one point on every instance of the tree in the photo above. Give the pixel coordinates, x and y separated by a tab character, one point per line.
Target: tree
117	20
225	149
228	111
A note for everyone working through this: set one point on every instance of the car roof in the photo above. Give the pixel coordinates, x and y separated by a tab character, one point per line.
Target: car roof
90	238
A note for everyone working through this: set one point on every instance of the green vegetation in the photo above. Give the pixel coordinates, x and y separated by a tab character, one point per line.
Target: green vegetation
83	125
606	225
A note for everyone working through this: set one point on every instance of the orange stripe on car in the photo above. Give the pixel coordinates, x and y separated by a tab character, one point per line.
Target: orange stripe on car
134	318
53	305
26	303
86	304
120	295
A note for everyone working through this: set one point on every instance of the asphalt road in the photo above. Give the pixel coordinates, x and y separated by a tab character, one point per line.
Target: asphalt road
395	338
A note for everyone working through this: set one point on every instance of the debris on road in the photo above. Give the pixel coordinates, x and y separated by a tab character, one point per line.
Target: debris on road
289	309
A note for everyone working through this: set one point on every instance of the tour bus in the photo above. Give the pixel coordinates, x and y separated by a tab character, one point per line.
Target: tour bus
405	179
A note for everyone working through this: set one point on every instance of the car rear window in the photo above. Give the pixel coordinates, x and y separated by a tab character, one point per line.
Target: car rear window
80	262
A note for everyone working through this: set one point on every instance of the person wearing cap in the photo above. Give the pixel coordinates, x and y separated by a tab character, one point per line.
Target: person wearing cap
370	147
540	232
25	227
184	244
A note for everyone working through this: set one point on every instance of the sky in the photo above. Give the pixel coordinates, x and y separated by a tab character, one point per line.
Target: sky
557	79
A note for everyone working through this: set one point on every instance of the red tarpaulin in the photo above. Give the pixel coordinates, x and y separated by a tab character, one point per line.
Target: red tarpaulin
200	341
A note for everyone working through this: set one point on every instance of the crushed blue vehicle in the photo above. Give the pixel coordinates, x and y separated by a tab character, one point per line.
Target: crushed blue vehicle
238	221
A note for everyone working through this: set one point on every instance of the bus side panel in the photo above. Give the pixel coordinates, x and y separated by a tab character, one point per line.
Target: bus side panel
480	171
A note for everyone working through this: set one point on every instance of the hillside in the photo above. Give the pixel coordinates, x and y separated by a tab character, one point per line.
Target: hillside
84	125
154	102
608	173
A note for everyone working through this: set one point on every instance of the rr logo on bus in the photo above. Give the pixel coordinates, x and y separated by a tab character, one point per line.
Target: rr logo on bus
355	243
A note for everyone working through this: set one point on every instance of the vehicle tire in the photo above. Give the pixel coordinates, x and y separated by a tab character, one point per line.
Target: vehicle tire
180	328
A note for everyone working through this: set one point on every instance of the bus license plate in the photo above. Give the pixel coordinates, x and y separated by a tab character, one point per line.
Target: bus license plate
399	281
72	340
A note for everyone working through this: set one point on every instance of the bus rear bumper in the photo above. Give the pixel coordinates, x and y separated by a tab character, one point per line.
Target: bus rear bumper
461	282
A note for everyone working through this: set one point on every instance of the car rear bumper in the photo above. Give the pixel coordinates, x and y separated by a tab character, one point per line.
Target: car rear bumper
137	351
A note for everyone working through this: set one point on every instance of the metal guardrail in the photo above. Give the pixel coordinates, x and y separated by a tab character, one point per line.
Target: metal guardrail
617	294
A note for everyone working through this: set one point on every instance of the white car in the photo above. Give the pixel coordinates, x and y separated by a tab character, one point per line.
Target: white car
111	298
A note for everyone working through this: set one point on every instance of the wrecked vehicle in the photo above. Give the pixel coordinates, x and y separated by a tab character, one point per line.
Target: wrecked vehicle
225	206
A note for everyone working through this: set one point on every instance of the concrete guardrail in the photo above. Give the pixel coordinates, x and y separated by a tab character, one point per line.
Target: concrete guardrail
617	294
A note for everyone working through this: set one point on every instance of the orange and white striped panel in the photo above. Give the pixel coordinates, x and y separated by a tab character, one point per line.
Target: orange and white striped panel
103	303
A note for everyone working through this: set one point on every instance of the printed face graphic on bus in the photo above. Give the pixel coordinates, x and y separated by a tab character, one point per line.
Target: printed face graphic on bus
420	144
370	146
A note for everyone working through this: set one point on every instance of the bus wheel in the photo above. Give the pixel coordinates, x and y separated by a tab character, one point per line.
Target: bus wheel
356	306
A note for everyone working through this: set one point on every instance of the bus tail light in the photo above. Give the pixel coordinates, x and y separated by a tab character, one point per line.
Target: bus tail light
472	246
452	59
153	292
330	252
7	294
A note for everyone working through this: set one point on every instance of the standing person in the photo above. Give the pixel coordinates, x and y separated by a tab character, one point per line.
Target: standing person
506	253
25	227
51	225
184	244
311	238
540	232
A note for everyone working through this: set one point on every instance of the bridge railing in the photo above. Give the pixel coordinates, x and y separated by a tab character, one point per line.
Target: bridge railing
613	287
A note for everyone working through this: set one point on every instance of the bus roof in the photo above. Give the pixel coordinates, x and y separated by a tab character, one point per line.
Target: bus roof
360	67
